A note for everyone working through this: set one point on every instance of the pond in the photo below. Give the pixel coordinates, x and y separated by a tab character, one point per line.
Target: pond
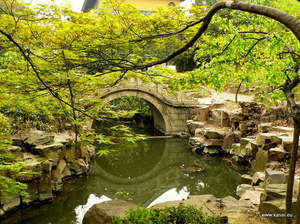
146	173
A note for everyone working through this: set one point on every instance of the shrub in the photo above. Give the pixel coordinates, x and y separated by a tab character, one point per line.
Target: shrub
183	214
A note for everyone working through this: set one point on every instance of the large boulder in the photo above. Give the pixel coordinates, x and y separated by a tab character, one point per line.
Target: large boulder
35	138
33	192
275	177
276	191
242	188
45	187
277	154
273	209
202	113
230	204
220	117
193	125
246	179
258	177
78	167
213	133
260	162
252	196
229	139
105	211
268	140
11	204
252	110
287	143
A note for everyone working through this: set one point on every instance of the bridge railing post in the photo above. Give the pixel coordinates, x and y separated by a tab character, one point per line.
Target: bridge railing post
139	82
179	96
160	88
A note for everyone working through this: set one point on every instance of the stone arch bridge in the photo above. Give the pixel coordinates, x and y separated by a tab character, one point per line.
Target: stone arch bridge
170	111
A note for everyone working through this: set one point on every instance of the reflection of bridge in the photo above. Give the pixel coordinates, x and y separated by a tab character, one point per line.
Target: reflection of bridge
147	187
170	111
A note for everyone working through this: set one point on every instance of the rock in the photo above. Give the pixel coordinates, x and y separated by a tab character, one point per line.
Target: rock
276	191
211	150
241	189
36	138
78	167
17	141
207	202
230	139
98	216
287	143
202	113
282	129
30	163
91	150
245	141
196	141
45	187
16	151
263	197
33	192
277	154
105	211
268	140
198	132
273	165
235	118
231	204
260	162
264	127
213	142
194	168
70	153
193	125
65	138
236	149
274	210
296	185
237	159
246	179
275	177
2	213
220	117
53	152
248	127
57	176
252	196
11	204
252	109
47	166
213	134
258	177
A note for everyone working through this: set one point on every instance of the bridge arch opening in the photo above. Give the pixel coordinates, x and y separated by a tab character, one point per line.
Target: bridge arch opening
160	121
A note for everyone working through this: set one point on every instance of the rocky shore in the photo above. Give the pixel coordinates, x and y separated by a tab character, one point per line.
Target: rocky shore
249	133
54	158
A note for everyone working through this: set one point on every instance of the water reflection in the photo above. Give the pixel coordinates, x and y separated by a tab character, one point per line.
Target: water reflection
145	174
80	210
169	195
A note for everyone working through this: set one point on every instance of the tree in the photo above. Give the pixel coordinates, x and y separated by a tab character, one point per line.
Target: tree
52	53
66	48
291	81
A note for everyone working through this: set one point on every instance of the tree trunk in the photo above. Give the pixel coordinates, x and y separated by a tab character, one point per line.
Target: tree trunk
237	91
76	129
298	207
292	168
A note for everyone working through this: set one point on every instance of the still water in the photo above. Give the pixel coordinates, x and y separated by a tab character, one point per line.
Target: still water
146	173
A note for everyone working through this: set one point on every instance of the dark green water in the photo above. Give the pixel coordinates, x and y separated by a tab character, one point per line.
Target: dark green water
147	173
